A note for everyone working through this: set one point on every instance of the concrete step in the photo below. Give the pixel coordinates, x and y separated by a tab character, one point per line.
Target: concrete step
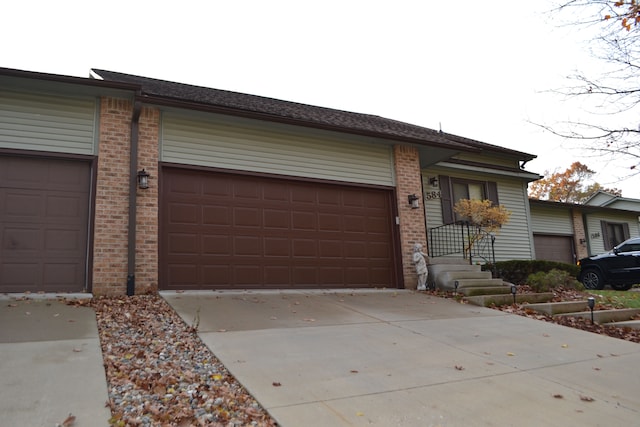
486	290
606	316
633	324
464	274
478	283
552	308
505	299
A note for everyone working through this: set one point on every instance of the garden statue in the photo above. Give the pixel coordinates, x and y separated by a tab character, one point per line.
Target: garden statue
420	261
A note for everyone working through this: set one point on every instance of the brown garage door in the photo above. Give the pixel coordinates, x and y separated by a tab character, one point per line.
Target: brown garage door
223	231
554	248
44	210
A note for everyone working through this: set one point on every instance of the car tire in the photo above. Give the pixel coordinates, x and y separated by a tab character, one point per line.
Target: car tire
592	279
621	287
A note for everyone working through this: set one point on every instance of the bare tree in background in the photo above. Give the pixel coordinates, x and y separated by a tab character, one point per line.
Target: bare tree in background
612	97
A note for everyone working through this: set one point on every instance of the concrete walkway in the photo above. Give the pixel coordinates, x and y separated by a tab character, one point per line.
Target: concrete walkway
50	364
399	358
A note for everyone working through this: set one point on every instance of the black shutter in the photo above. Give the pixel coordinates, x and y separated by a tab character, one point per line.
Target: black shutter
492	192
446	199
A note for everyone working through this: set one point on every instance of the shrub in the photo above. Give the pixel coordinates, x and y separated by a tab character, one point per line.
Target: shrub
546	281
517	271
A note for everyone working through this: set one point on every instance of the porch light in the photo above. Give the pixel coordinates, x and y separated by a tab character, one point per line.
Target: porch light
143	179
514	290
455	287
591	301
434	182
414	201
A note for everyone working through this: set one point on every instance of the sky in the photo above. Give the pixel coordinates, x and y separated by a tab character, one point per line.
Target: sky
478	69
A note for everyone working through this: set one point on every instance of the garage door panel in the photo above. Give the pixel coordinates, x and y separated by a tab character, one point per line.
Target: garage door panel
554	248
44	217
274	233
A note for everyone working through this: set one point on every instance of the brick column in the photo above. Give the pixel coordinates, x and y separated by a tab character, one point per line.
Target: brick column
579	233
412	221
112	198
147	201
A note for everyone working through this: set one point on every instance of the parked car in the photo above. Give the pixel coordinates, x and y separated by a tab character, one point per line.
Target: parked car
619	268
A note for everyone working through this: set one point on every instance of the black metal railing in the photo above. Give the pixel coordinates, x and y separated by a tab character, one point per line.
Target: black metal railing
473	243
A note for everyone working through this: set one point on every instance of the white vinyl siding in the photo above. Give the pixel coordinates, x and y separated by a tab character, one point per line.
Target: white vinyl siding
248	145
551	221
594	228
514	241
60	124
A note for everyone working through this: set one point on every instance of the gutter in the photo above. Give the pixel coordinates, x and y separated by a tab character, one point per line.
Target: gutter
133	192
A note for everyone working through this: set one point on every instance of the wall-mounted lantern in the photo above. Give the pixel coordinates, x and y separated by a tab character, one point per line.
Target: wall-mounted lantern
414	201
434	182
143	179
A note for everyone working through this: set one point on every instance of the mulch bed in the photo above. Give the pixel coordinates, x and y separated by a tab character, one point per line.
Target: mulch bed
159	372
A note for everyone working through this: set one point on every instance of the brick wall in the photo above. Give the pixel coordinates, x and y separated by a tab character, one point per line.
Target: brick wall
579	234
110	246
412	221
112	198
147	201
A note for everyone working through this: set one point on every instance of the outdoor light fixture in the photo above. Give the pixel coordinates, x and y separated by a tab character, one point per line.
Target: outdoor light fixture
583	241
434	182
455	287
592	303
143	179
414	201
514	290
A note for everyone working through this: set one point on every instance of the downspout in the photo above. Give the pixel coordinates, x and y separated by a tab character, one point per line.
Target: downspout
133	190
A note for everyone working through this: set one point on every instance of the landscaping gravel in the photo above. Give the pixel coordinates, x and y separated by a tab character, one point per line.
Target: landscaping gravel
159	373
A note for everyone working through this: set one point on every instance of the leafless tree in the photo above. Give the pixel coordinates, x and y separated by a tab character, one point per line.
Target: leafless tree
610	99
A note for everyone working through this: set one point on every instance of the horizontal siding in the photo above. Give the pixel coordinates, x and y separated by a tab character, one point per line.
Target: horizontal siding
47	123
514	239
551	221
594	229
249	146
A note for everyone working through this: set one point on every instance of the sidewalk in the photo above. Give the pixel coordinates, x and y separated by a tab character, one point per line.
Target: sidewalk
50	364
399	358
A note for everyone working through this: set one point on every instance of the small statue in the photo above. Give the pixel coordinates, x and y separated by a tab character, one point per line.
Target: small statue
420	261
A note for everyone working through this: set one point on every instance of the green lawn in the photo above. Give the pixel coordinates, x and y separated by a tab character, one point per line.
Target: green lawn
619	299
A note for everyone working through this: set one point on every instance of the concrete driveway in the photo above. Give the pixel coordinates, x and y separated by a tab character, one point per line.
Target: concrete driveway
401	358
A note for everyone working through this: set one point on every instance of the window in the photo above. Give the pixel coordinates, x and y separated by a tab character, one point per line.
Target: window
614	233
454	189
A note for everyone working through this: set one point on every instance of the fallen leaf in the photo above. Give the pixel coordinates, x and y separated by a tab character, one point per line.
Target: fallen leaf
511	354
459	368
558	396
12	305
587	399
273	318
77	350
276	384
353	371
69	421
28	313
360	414
309	320
565	345
222	330
596	369
545	335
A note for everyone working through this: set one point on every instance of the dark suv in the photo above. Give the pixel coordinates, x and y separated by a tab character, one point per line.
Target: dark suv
619	267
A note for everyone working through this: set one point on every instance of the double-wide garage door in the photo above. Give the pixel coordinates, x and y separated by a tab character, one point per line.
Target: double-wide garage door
44	211
225	231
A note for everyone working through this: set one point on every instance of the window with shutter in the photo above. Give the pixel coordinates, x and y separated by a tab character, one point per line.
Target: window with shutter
454	189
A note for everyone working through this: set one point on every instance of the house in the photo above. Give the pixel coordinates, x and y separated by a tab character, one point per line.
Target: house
121	184
567	232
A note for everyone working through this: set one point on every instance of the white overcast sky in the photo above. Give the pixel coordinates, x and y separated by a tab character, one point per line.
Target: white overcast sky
478	69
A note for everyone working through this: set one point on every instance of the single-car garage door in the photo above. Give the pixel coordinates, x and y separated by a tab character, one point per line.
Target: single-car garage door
554	248
44	211
226	231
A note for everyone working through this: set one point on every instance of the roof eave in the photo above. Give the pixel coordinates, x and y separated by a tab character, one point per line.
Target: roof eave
236	112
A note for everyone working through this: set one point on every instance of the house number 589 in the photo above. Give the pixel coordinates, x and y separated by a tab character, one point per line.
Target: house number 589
430	195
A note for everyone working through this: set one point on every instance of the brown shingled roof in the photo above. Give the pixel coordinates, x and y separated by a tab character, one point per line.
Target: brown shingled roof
227	102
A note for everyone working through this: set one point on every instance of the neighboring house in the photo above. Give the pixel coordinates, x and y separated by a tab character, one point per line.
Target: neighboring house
243	191
567	232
